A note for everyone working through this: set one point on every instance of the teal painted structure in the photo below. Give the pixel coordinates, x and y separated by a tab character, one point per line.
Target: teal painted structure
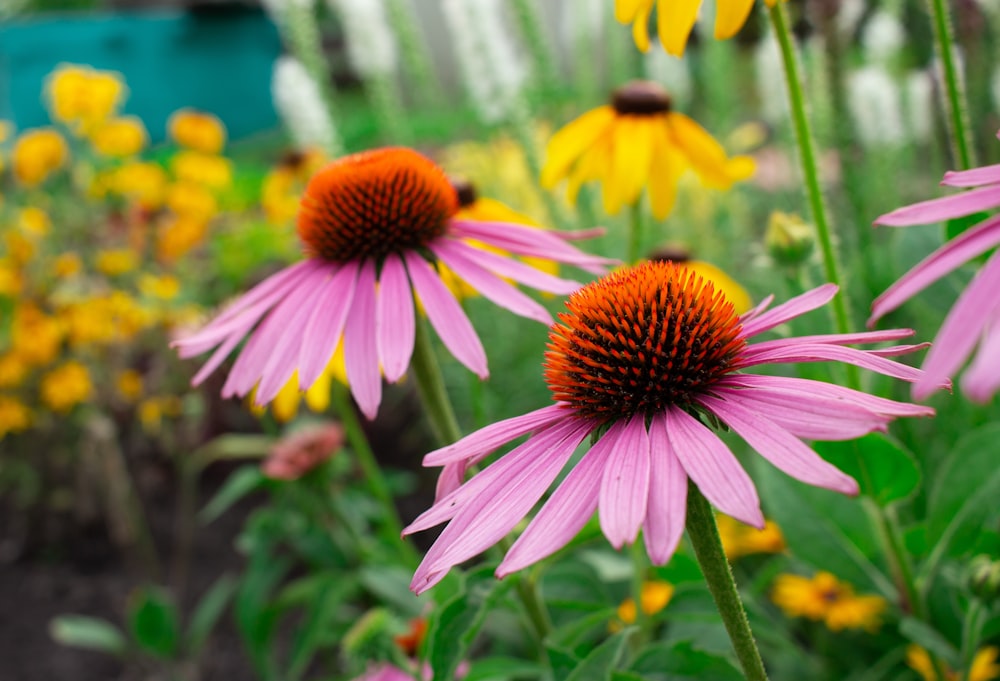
218	60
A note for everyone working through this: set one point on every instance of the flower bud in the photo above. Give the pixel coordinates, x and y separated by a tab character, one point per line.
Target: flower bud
789	239
983	578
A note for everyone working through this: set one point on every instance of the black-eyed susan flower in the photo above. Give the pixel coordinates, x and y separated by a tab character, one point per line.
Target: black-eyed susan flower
984	665
824	598
654	596
638	141
374	226
676	18
644	358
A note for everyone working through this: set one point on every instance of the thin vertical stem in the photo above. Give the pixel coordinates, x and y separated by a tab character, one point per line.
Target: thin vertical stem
546	75
392	527
704	535
635	232
954	91
417	61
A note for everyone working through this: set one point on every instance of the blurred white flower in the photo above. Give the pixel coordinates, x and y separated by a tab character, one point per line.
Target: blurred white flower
883	37
918	105
493	71
873	98
849	15
300	105
371	44
770	77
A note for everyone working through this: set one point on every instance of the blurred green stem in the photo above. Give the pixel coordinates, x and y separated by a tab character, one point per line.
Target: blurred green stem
416	57
391	527
954	90
544	71
704	536
640	564
635	232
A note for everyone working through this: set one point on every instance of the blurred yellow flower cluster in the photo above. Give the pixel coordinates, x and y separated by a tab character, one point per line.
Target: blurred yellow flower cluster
740	540
824	598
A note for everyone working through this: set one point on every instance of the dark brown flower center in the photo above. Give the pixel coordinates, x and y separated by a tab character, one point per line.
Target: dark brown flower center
641	97
466	192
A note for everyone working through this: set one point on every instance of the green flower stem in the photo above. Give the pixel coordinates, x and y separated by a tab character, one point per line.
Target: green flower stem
303	36
546	76
636	223
704	536
954	92
417	59
807	157
430	384
392	527
640	565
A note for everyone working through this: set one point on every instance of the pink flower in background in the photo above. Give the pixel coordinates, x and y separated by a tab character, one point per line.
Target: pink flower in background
652	354
975	317
295	455
374	225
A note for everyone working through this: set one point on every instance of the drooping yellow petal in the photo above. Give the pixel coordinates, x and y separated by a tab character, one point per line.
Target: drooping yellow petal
664	173
592	166
640	29
675	19
573	141
730	15
625	10
984	665
706	155
633	155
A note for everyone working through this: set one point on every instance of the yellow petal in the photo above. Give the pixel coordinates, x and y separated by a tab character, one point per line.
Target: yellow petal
592	166
633	154
705	155
318	394
640	30
665	172
730	15
674	22
625	10
572	141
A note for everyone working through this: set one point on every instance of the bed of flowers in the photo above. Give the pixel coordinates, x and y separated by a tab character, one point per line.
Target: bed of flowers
657	342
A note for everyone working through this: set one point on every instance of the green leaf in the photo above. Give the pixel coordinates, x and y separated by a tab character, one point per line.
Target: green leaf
391	584
683	661
154	622
602	661
804	513
581	628
561	661
240	483
455	626
574	585
956	226
89	633
255	615
208	612
502	669
883	468
235	446
963	496
310	634
930	639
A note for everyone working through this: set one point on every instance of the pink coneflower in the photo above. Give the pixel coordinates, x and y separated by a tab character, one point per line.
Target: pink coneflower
297	454
975	317
374	225
646	357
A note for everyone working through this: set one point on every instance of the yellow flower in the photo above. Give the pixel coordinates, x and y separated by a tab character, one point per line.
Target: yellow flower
179	236
35	337
214	172
129	384
12	370
66	386
19	247
984	665
285	406
14	416
66	265
742	540
114	262
826	599
34	221
675	19
654	597
166	287
82	97
153	410
637	141
191	201
37	154
119	137
283	186
144	182
197	130
11	282
104	319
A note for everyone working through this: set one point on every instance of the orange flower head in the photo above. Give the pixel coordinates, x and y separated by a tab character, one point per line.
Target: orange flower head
375	203
640	340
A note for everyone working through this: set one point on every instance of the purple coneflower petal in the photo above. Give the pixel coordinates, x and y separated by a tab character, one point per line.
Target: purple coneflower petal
799	305
839	338
961	329
489	517
326	326
446	316
897	350
625	483
707	460
814	352
969	244
982	378
360	353
780	447
284	357
666	509
217	358
972	178
565	513
531	242
449	479
945	208
492	287
485	440
395	326
510	268
755	311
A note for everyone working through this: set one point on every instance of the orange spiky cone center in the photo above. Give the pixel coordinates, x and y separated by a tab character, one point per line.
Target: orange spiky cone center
640	340
375	203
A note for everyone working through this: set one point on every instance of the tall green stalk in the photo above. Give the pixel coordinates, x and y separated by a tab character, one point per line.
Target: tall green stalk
704	536
954	90
635	235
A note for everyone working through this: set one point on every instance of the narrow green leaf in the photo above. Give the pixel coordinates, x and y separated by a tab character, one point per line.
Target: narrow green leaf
209	610
391	584
502	669
154	622
683	661
89	633
240	483
883	468
310	634
930	639
602	661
